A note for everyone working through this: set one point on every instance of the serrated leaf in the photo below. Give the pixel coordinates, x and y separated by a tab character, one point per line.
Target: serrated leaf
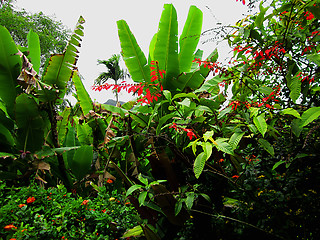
260	124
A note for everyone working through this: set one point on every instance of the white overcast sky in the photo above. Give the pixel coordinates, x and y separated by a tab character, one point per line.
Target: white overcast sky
101	36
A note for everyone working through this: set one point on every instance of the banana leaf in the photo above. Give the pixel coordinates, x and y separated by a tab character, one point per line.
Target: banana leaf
133	56
10	67
83	96
189	38
166	46
34	50
81	162
60	67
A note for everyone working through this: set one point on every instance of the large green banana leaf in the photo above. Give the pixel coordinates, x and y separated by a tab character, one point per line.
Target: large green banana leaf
83	96
133	56
30	124
166	46
61	66
81	162
10	67
34	50
189	38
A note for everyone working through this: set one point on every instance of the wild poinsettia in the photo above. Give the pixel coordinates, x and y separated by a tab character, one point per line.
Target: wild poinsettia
190	132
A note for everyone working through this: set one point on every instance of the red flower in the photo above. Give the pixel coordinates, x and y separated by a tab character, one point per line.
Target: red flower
109	181
309	15
174	126
30	200
221	160
10	227
235	176
190	133
85	202
21	205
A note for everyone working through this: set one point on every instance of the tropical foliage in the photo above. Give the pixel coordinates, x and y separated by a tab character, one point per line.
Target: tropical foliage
208	149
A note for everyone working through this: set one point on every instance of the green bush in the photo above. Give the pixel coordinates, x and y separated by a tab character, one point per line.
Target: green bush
35	212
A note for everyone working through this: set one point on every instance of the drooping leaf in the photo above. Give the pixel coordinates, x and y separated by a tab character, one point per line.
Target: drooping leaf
166	46
260	124
309	115
10	67
132	54
292	112
189	38
295	88
34	50
267	146
235	139
132	189
81	162
83	96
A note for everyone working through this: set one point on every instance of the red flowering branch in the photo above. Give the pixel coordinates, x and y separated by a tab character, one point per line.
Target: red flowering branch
189	131
147	92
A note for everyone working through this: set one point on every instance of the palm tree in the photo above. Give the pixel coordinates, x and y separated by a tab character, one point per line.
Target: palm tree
114	72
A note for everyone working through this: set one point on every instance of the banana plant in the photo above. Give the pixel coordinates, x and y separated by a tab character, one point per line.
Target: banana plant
174	56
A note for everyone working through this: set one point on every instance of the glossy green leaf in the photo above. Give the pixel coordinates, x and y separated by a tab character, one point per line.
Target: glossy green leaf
34	50
163	120
223	146
166	46
295	87
199	164
132	189
10	67
81	163
132	54
190	199
260	124
83	96
198	55
189	38
84	134
310	115
142	197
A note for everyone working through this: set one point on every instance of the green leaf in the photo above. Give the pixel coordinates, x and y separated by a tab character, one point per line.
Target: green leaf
235	139
10	67
167	95
83	96
114	109
207	148
189	38
295	87
166	47
142	197
143	180
84	134
291	111
190	199
177	207
277	165
137	231
224	146
132	54
29	122
267	146
199	164
260	124
185	95
260	18
6	136
60	67
34	50
80	165
309	115
132	189
62	125
315	57
163	120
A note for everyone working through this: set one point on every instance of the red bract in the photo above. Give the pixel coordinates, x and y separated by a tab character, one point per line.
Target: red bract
190	132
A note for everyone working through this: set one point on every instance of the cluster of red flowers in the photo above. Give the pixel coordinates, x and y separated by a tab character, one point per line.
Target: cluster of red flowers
30	200
189	131
309	15
303	78
265	101
150	96
206	63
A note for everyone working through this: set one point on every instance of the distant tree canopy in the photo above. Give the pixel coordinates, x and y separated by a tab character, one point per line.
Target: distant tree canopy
53	34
